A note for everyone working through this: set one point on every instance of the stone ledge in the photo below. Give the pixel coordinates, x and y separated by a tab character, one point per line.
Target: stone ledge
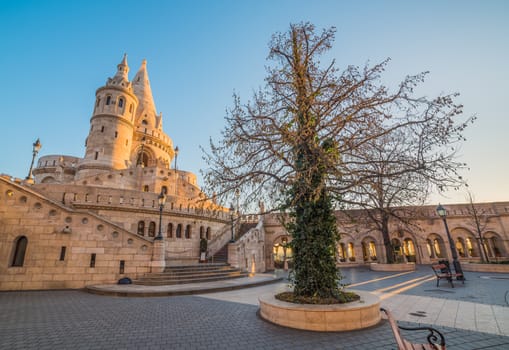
392	267
499	268
325	318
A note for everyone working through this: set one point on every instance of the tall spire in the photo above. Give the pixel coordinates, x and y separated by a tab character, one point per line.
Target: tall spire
142	90
121	77
122	69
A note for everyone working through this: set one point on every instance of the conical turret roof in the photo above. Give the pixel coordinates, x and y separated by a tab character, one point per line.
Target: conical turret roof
146	106
121	75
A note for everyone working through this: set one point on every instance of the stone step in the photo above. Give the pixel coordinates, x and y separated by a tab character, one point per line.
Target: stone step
162	282
191	273
204	267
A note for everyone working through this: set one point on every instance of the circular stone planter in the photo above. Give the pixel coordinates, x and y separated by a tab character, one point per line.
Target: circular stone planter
326	318
392	267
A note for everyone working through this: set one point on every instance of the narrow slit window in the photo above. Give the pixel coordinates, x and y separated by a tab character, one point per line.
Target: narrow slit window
62	253
92	260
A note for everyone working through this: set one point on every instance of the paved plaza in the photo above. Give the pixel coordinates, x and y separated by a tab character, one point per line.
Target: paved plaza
471	316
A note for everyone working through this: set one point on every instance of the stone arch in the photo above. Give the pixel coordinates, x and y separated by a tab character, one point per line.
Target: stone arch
437	246
48	180
494	245
169	231
281	253
466	243
461	236
410	249
397	249
147	158
345	248
369	249
152	229
141	228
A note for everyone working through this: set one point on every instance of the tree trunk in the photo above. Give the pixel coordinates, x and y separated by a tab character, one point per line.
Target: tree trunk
314	240
389	250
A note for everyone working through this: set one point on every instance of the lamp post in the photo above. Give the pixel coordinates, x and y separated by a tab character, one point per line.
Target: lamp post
232	217
176	150
457	267
36	146
161	200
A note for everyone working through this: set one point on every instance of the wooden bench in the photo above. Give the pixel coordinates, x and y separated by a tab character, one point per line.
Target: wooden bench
436	340
442	271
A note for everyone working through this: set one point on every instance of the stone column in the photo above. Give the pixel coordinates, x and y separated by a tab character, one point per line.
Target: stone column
158	263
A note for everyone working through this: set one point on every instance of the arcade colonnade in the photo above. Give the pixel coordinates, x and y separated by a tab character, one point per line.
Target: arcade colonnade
425	243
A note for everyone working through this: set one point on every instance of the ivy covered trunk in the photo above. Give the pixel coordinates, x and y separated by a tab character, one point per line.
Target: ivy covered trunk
314	240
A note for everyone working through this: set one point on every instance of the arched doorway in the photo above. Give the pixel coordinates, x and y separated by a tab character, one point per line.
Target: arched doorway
460	247
409	250
341	251
369	253
494	245
282	253
350	251
397	251
471	246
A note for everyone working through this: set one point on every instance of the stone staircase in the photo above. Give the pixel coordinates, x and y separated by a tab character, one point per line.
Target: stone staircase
191	274
220	257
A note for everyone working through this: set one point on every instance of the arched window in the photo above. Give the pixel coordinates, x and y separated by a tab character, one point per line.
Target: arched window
178	234
142	159
131	108
20	247
108	100
202	232
169	232
208	234
145	188
141	228
98	102
164	190
120	102
429	247
188	231
152	229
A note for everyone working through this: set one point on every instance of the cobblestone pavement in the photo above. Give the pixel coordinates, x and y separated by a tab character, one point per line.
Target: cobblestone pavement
228	320
78	320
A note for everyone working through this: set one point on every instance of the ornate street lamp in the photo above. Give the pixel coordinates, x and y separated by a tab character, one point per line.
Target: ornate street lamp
35	149
176	150
457	267
232	217
161	200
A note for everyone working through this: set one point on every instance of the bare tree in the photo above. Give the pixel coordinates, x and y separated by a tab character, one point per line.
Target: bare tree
296	144
400	169
478	221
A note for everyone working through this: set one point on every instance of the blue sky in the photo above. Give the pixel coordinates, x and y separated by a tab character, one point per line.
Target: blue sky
55	54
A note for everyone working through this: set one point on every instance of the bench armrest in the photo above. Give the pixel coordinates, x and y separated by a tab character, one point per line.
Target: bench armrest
435	338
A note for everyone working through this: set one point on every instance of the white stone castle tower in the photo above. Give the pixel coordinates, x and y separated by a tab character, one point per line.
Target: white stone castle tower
125	129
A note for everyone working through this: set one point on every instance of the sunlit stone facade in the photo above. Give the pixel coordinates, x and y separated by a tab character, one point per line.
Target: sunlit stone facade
95	219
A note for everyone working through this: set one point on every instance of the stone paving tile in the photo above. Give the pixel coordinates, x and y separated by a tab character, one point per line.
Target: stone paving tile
76	320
